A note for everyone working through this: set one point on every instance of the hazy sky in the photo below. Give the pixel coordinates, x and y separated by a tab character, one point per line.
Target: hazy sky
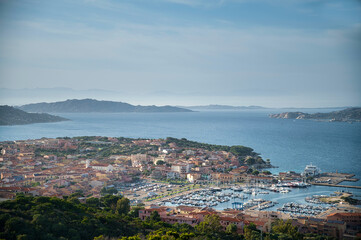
273	53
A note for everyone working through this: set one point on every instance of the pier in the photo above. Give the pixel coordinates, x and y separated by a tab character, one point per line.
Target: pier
335	178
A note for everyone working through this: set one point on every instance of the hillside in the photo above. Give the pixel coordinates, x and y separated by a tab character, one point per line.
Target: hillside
111	217
91	105
346	115
13	116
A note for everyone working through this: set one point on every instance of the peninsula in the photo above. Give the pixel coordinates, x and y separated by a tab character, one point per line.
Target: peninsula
346	115
93	187
13	116
92	105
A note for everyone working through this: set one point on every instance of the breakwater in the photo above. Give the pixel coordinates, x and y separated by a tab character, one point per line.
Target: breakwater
336	185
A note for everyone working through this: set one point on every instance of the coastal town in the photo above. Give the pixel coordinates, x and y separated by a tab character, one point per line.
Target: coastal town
182	180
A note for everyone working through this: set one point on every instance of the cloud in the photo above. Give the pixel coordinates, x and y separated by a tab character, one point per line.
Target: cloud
165	57
225	61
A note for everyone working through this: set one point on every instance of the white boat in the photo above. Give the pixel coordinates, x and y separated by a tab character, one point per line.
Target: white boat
311	171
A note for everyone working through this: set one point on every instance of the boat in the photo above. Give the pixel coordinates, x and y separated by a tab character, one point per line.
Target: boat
311	171
284	191
237	189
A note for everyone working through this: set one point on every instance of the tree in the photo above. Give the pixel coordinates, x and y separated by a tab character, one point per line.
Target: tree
135	211
110	201
241	150
255	172
251	232
111	191
210	225
231	229
123	206
154	216
160	162
285	229
250	161
93	202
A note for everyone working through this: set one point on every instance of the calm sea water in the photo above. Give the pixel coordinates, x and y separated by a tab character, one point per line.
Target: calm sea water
289	144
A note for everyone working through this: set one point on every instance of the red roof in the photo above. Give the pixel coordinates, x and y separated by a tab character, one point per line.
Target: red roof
344	214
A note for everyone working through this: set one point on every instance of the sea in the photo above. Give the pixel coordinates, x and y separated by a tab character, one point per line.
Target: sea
290	144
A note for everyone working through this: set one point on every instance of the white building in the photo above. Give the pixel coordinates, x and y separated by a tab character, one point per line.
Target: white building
102	167
181	168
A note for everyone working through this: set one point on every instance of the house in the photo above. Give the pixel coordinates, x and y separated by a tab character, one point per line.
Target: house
226	221
193	177
138	159
181	168
172	175
223	178
102	167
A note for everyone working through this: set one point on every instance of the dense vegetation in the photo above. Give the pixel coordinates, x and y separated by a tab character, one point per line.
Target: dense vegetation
236	150
110	217
350	200
123	147
13	116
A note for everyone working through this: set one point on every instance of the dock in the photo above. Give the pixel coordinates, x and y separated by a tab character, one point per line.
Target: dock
334	178
261	205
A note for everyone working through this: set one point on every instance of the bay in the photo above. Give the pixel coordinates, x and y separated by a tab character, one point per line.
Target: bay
289	144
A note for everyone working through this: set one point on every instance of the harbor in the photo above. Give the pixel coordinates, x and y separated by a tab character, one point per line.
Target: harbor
299	201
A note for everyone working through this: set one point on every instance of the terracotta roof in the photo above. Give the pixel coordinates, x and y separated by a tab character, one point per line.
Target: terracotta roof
344	214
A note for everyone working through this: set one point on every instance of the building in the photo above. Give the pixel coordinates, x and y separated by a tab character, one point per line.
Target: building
193	177
331	228
181	168
102	167
138	159
352	220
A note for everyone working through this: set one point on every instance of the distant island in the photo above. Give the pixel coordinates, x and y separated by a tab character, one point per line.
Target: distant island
92	105
346	115
216	107
13	116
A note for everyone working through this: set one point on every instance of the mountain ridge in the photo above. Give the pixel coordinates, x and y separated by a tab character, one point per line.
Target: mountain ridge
92	105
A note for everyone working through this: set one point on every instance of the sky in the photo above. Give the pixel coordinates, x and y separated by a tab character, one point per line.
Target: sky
272	53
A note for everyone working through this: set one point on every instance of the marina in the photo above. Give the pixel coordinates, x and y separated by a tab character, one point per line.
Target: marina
303	209
299	201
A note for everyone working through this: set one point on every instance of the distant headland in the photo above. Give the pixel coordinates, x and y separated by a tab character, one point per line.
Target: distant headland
92	105
216	107
13	116
346	115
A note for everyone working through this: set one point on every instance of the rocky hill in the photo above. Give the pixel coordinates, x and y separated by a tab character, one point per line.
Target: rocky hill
346	115
91	105
13	116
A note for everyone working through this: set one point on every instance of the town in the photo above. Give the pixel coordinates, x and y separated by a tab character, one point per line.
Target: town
181	180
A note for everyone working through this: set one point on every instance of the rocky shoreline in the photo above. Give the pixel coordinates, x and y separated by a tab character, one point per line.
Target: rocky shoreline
346	115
